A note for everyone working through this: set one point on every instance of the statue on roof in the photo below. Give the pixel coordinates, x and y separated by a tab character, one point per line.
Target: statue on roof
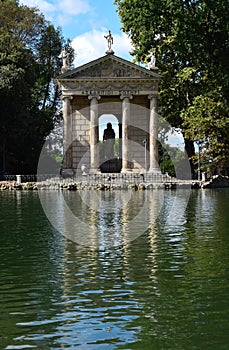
152	56
110	42
65	55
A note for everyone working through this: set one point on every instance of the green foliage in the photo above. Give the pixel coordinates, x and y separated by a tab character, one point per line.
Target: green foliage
13	1
191	41
169	159
206	121
116	146
29	95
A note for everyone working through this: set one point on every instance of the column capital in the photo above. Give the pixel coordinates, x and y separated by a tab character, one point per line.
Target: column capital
151	96
125	95
63	97
90	97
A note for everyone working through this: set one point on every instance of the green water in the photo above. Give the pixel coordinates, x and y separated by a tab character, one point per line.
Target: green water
166	289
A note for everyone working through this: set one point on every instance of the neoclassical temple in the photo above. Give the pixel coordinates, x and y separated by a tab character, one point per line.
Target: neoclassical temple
110	85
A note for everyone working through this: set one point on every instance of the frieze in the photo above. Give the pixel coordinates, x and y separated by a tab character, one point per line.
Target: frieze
109	87
109	92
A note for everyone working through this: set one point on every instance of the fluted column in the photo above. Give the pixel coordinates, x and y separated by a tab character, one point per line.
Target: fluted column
94	133
67	119
153	131
125	135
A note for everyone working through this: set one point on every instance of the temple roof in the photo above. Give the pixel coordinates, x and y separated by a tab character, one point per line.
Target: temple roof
110	67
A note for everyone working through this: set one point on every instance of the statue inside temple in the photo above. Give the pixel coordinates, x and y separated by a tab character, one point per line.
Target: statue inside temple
109	140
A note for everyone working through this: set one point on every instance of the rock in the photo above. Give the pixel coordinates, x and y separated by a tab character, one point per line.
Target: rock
217	181
72	187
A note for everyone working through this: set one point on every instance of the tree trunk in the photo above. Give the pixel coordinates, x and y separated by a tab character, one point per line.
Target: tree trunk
190	150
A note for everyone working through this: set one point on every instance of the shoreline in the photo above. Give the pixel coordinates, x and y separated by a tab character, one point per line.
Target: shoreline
108	184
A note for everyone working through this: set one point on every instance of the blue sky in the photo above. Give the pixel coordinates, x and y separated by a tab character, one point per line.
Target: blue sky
86	22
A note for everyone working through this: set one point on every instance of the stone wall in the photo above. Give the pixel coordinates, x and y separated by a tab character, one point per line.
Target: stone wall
81	133
138	132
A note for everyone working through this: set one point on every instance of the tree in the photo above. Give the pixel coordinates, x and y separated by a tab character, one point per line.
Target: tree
29	96
206	121
13	1
191	42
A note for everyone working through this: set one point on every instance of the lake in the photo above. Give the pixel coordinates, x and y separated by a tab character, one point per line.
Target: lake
114	270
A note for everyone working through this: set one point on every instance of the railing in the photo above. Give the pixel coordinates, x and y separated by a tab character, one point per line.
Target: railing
115	178
23	178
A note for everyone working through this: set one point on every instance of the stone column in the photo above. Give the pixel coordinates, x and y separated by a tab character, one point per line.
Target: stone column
120	139
94	133
67	142
125	135
153	135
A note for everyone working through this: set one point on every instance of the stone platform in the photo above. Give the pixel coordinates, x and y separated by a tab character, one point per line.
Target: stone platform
108	181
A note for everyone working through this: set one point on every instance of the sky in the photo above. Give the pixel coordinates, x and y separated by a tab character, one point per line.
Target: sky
86	22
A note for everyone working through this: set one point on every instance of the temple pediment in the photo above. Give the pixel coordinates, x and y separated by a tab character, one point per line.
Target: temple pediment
110	67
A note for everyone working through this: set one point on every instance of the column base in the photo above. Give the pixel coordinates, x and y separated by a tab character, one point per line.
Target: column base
67	172
154	171
95	171
126	171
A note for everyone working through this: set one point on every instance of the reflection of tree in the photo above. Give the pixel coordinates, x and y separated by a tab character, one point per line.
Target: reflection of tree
165	290
27	292
155	292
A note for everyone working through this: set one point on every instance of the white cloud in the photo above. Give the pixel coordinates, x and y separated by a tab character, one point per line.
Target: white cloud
74	7
69	7
122	45
91	45
63	20
44	6
88	45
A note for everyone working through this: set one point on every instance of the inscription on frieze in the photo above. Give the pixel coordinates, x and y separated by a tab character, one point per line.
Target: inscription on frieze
110	92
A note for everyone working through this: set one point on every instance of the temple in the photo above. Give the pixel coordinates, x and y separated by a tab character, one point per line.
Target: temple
110	85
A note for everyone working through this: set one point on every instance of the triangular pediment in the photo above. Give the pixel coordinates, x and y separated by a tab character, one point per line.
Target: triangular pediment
110	66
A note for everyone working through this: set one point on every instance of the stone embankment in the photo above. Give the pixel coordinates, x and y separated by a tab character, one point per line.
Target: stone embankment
73	186
215	182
